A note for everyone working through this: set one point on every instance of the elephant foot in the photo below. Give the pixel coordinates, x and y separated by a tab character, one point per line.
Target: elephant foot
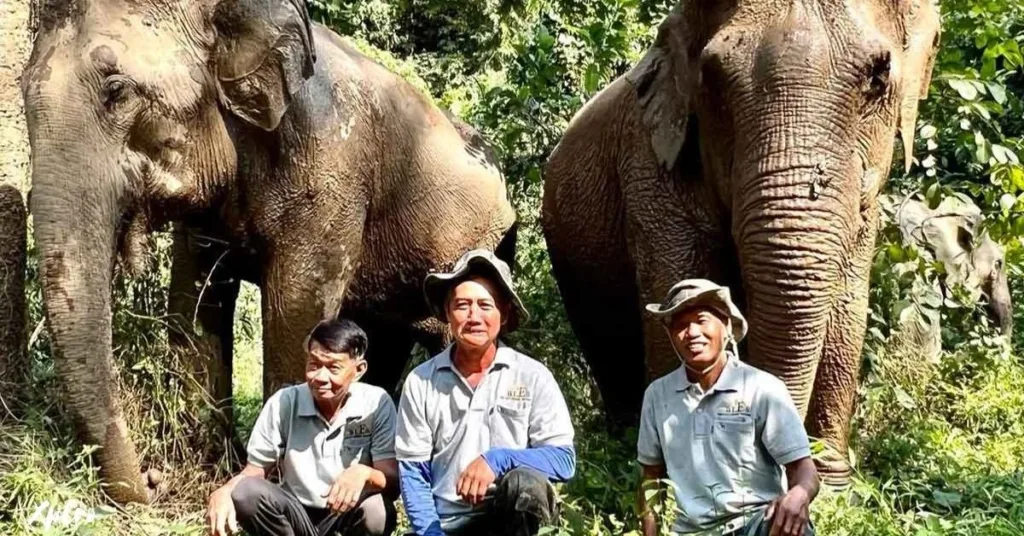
835	473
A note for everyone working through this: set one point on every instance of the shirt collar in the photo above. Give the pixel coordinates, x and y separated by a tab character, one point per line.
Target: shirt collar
307	406
728	380
505	357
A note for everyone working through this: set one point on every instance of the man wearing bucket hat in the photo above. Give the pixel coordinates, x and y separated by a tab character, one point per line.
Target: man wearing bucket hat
483	430
721	430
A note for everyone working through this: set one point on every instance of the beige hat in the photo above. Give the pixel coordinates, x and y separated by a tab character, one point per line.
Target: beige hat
690	293
475	262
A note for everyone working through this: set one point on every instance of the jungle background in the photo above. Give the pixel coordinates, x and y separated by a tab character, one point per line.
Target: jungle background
938	447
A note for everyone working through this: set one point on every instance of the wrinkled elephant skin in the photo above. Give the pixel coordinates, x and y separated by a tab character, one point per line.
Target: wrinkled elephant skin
280	155
748	146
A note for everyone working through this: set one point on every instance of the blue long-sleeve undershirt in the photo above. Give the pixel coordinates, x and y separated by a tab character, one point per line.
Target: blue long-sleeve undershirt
557	463
418	498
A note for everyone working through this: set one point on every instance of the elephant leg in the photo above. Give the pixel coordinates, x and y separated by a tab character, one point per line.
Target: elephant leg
13	363
602	304
202	308
390	344
301	286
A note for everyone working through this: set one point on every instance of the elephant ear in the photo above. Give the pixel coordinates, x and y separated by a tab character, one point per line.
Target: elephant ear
664	81
919	49
264	53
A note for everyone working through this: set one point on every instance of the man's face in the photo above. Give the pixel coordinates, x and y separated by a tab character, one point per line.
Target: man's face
698	335
475	313
330	374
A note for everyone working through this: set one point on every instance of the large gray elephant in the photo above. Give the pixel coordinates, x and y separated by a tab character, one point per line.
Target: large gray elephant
952	234
281	154
748	146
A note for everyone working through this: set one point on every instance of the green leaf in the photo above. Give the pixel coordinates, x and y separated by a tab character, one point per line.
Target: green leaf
998	92
903	398
1006	202
966	90
946	498
928	131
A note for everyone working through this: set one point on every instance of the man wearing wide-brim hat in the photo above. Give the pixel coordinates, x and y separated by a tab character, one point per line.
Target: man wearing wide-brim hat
483	430
722	431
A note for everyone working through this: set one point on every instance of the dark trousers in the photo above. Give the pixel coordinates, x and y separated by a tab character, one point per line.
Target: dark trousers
265	509
524	500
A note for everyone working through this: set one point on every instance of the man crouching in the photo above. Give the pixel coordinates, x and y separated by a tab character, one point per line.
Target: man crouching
483	429
333	438
722	431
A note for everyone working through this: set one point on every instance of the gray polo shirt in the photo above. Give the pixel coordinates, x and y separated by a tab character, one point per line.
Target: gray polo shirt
723	450
442	420
312	453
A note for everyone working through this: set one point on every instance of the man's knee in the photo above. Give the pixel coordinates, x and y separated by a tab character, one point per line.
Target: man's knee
377	516
247	496
525	480
527	491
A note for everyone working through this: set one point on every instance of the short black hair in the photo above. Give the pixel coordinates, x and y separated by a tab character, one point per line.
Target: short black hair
340	336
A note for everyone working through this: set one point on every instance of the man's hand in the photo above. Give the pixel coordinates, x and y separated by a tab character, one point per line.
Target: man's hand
344	494
789	514
474	481
220	513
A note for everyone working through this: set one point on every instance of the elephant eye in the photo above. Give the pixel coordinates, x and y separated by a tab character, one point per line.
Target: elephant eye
877	73
115	90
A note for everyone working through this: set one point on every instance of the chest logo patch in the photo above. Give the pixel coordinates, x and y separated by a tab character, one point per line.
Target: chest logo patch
518	393
358	429
734	406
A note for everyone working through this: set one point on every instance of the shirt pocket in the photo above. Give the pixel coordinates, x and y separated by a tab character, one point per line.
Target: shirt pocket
509	426
355	450
733	441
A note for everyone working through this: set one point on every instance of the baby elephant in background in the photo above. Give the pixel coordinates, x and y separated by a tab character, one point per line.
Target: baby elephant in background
952	234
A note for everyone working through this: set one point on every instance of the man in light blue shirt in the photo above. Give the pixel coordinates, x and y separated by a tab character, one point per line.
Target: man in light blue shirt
722	431
332	438
482	428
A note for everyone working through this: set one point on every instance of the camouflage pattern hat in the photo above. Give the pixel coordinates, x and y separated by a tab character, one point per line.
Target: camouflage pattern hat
690	293
480	262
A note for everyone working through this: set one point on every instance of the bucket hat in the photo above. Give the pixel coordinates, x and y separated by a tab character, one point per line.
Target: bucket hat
475	262
690	293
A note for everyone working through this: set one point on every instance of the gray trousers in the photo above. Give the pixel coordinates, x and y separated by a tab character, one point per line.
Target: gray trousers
760	526
523	501
265	509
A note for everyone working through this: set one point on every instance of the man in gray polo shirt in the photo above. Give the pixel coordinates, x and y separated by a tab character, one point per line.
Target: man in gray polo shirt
482	428
721	430
333	440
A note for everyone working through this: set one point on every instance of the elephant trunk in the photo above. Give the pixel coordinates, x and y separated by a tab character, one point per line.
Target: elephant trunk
791	254
76	217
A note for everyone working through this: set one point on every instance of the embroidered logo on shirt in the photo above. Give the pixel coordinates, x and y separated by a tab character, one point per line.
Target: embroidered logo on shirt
358	429
734	406
518	393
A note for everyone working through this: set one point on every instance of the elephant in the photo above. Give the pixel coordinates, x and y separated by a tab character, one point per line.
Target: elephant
747	146
13	251
952	234
279	155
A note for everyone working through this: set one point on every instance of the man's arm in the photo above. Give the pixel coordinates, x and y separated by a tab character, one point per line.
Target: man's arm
220	511
555	462
384	478
414	447
649	481
791	512
418	498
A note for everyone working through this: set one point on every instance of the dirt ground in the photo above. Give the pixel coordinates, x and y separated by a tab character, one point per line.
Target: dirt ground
15	46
